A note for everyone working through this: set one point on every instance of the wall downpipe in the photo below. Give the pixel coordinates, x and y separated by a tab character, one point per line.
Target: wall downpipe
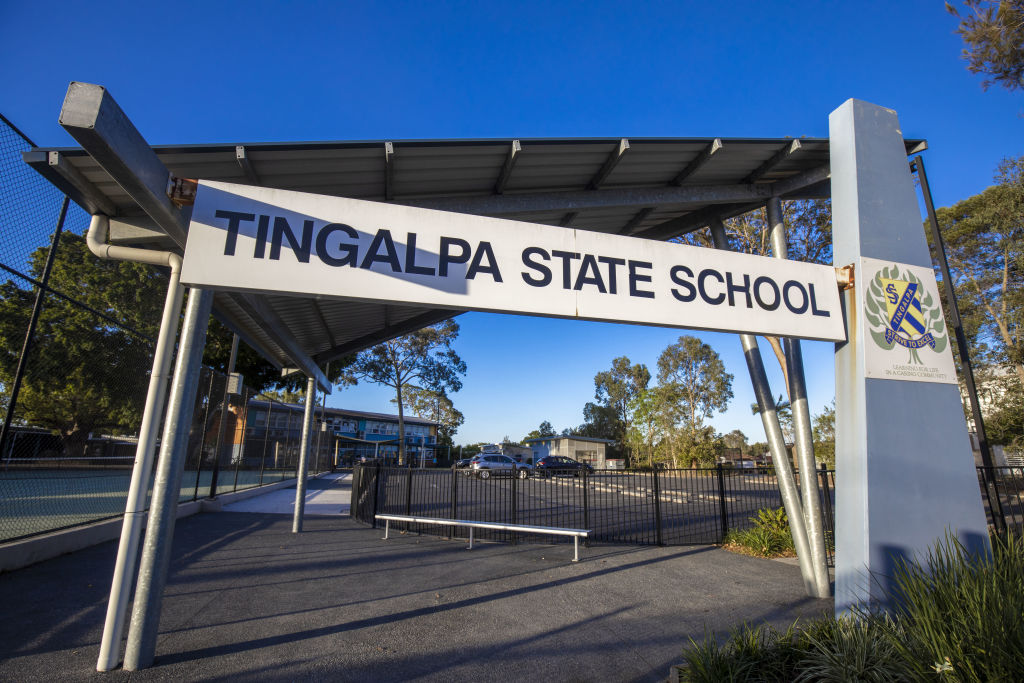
126	564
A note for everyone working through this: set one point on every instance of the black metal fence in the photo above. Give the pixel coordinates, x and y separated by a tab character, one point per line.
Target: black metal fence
1006	496
662	507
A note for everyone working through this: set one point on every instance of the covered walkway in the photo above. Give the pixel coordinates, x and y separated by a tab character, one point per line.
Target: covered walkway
246	598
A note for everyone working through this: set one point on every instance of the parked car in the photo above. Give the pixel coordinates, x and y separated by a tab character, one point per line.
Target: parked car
556	464
463	463
487	465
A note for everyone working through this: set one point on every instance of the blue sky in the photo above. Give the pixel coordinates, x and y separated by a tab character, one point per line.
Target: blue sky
265	71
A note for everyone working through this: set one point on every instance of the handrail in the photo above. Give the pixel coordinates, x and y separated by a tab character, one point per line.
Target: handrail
470	524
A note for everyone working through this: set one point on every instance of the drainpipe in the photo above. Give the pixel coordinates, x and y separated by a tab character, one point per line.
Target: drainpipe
135	507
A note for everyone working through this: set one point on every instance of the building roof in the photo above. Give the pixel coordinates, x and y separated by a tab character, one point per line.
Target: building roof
574	438
654	188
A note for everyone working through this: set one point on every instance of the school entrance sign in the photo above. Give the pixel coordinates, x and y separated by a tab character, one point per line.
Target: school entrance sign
265	240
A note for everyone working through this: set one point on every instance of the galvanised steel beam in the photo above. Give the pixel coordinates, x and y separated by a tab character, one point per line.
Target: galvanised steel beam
389	171
98	123
270	322
698	162
636	220
609	165
776	159
92	117
541	202
430	317
242	157
506	170
55	167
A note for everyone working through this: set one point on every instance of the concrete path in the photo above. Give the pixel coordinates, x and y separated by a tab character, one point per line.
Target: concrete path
329	494
248	600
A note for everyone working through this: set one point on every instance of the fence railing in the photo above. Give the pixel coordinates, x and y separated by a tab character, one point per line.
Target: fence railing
660	507
44	489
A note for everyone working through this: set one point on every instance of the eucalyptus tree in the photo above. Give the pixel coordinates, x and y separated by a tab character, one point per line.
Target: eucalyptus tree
422	360
694	386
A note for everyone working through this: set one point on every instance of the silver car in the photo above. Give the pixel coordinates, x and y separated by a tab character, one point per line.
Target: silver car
487	465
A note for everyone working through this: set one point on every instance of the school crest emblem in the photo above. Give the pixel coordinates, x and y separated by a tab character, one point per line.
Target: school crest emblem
901	312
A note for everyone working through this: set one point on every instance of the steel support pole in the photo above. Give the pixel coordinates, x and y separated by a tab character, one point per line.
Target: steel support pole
222	427
998	520
300	484
156	550
33	321
776	440
135	506
801	423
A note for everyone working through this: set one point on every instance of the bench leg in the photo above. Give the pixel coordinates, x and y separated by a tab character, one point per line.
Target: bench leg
470	539
387	526
575	548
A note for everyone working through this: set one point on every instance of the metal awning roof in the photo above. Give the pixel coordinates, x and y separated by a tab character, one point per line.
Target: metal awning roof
655	188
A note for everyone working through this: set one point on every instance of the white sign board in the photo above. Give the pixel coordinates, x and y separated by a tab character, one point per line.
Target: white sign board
907	335
264	240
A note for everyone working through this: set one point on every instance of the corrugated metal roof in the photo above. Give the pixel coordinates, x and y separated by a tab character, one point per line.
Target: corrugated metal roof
612	185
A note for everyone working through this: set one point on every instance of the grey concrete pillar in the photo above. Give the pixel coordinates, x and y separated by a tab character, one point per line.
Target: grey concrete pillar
904	469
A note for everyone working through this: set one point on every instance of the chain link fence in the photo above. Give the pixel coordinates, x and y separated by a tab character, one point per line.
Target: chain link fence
77	339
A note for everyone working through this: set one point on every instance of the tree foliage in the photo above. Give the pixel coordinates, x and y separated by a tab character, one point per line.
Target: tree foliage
614	390
437	407
808	238
693	386
423	359
545	429
823	430
85	374
993	34
984	237
738	440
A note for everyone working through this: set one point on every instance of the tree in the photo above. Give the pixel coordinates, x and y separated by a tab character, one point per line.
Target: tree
824	434
1004	421
808	238
736	439
993	34
695	386
544	430
614	389
285	396
85	374
436	407
600	422
423	359
784	411
984	238
645	431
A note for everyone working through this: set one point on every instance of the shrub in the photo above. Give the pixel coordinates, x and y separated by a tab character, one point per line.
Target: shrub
957	616
769	537
963	613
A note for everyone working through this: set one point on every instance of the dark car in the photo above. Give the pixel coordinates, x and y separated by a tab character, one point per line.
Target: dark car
463	463
557	464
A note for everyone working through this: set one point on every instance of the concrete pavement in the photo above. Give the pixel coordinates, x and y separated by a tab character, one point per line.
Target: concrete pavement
248	599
